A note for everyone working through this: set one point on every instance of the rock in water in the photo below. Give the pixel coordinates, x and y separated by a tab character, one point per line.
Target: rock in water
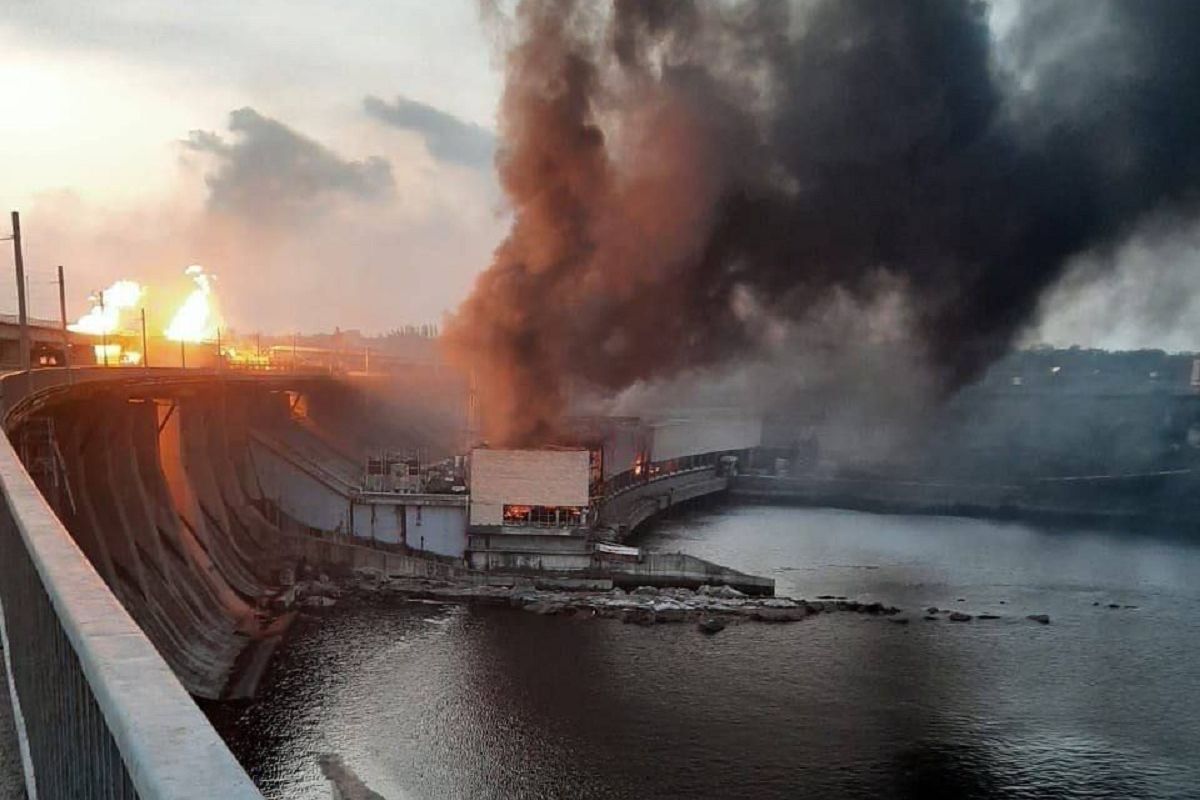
638	616
1044	619
343	782
711	625
545	608
778	614
959	616
721	590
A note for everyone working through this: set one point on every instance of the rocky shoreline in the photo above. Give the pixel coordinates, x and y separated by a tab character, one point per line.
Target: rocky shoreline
643	605
711	608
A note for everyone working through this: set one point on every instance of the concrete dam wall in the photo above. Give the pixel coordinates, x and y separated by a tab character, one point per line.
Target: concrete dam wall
155	485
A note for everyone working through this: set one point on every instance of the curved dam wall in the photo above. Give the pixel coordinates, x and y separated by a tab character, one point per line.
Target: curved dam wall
141	558
100	710
153	480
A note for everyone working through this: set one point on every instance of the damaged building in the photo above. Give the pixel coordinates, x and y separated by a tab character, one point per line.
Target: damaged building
548	490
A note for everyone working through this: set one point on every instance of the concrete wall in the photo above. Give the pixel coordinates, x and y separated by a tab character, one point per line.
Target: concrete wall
526	477
342	552
437	529
312	502
300	495
631	507
378	523
680	569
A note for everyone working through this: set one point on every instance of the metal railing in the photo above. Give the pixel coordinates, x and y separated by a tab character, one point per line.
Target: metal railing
99	712
656	470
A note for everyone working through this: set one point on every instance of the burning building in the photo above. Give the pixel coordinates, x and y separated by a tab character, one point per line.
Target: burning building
548	489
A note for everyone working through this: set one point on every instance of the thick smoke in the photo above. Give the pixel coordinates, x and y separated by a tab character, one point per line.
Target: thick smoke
685	175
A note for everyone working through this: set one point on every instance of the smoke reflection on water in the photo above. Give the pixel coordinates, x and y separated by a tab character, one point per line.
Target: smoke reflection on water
444	701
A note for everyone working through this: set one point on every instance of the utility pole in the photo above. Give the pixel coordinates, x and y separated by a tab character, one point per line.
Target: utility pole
103	331
293	352
22	313
145	350
182	354
62	314
218	348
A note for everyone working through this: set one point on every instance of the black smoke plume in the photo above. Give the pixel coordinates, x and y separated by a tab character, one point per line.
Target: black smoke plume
681	172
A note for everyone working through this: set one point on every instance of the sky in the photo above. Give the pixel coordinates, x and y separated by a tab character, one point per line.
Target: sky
331	162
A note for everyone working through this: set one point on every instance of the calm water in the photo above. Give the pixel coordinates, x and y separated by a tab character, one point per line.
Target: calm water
442	701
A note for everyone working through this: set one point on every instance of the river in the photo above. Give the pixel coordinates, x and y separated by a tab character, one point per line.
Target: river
445	701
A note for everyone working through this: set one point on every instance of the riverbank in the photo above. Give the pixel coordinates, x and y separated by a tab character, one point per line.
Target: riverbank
711	607
1165	498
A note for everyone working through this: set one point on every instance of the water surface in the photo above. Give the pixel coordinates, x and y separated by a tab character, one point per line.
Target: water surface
441	701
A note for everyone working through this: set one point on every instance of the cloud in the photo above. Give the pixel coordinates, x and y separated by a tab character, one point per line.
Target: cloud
270	173
447	137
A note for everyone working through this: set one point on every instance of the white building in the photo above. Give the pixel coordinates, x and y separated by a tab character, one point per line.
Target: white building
520	490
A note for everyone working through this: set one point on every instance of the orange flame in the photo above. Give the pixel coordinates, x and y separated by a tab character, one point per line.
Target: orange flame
105	314
196	319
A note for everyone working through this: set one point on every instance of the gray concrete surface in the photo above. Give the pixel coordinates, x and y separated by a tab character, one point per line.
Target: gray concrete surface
12	783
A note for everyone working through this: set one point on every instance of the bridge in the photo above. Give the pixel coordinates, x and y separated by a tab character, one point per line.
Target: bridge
113	618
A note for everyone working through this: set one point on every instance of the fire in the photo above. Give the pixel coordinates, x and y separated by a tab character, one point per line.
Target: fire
195	321
105	314
114	354
245	358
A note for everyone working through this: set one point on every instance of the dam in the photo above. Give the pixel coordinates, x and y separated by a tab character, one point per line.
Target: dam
164	515
160	516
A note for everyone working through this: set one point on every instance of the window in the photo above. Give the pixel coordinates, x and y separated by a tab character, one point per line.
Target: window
545	516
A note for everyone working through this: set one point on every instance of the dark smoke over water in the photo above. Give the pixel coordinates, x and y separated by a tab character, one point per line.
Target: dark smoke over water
684	175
